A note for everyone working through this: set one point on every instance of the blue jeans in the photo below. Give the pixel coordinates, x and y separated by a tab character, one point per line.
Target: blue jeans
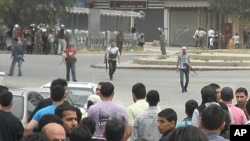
182	73
17	59
61	46
112	67
70	66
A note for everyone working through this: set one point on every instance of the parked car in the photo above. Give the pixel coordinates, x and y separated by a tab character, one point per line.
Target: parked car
78	92
24	102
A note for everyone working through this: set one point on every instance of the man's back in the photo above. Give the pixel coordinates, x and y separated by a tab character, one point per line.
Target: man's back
145	125
11	128
105	111
137	108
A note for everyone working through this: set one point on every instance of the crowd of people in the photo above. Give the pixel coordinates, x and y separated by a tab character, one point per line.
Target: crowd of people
105	120
39	39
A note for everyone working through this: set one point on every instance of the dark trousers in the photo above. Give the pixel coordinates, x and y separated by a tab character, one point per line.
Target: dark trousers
119	44
70	66
112	68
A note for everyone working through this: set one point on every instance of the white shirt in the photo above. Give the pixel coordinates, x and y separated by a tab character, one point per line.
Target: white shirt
210	32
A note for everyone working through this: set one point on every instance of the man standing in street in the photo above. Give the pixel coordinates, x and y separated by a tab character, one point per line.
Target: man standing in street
17	57
119	41
162	41
69	58
61	41
111	55
183	65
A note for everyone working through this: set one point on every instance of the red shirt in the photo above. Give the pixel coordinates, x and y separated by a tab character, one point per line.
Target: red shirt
70	52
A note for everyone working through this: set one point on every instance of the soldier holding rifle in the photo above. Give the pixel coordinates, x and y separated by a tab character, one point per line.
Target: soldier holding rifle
111	56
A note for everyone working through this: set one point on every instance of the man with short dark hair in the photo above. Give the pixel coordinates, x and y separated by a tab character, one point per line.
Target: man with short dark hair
167	119
190	106
58	94
106	110
209	97
47	102
241	95
111	56
17	57
68	115
238	114
138	107
114	130
145	125
11	128
212	122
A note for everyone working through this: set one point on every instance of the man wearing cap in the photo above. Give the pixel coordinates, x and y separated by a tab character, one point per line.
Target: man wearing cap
183	64
69	58
162	41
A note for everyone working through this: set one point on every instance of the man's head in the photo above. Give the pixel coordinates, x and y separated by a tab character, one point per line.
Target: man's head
3	89
208	94
187	133
138	91
248	107
167	119
217	89
57	93
54	131
107	90
6	99
68	115
241	95
90	123
99	86
114	130
59	81
153	97
15	40
190	106
227	94
49	118
212	118
81	133
113	43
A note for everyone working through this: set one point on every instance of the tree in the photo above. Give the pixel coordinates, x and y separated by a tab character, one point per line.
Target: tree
26	12
230	7
3	9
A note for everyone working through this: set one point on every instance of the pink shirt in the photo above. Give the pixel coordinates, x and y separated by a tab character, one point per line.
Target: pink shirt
238	115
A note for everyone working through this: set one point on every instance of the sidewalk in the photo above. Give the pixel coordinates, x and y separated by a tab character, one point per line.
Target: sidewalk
205	60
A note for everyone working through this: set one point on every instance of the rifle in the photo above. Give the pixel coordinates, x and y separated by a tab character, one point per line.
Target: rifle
189	67
106	61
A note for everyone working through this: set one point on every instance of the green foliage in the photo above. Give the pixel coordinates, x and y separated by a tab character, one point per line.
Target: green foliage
230	7
26	12
161	57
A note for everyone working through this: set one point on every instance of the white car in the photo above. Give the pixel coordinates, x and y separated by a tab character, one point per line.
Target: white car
78	92
24	102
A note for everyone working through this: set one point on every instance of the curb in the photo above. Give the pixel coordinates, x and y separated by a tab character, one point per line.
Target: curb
131	65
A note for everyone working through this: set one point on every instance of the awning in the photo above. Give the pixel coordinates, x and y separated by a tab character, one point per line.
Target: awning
139	14
187	4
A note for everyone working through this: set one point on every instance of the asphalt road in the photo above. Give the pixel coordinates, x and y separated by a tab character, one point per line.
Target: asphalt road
40	69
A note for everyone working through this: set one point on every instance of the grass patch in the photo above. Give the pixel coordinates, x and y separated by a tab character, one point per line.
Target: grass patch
205	59
161	57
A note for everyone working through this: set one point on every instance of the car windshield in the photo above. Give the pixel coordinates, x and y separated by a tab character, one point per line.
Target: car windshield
79	96
17	108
